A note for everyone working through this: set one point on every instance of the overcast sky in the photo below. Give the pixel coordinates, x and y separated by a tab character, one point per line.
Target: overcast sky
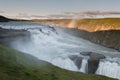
50	7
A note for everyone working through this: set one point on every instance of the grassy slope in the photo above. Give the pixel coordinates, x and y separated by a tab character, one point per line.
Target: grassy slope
99	24
101	21
15	65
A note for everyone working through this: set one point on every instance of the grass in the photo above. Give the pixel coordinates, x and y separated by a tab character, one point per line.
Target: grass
115	22
15	65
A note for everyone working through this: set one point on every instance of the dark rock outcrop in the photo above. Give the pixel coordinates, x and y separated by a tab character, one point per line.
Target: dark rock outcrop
93	61
77	60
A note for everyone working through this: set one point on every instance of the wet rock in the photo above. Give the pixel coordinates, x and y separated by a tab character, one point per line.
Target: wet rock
77	60
93	61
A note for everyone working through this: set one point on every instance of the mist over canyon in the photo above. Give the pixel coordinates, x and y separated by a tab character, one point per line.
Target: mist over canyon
69	49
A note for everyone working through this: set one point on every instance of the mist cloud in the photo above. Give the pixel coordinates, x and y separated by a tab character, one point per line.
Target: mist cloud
93	13
2	11
23	15
71	15
83	14
101	12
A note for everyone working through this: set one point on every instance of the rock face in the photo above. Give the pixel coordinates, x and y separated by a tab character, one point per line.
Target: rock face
9	35
93	61
109	38
5	33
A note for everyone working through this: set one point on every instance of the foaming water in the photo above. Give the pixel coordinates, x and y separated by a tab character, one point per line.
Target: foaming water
65	63
109	67
84	66
54	45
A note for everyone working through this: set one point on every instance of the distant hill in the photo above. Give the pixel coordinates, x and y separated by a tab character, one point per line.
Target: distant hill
4	19
100	24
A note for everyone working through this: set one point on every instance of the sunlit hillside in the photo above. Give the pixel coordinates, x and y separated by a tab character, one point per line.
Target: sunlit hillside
90	25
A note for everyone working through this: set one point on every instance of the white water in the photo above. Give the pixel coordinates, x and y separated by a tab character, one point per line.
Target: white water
56	46
84	66
109	67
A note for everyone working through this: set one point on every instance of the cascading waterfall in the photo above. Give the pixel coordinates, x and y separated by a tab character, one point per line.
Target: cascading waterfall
84	66
109	67
55	46
65	63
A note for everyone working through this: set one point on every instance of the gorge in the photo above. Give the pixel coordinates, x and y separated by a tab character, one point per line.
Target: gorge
66	48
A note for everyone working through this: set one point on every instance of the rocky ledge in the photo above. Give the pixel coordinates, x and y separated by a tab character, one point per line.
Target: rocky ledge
93	61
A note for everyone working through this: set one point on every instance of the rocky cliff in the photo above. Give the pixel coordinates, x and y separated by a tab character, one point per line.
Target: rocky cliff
11	35
107	38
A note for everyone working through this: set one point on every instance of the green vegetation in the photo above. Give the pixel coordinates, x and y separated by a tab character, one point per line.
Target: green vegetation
115	22
15	65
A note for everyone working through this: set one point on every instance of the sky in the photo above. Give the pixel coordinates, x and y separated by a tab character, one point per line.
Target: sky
42	8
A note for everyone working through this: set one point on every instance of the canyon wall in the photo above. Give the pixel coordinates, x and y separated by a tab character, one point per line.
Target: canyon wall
108	38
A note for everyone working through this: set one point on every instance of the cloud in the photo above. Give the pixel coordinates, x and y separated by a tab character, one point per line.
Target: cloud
94	13
113	12
101	12
22	16
37	17
2	11
91	14
60	16
71	15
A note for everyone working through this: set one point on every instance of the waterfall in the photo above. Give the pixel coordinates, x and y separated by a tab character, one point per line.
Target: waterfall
65	63
109	67
55	45
84	66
